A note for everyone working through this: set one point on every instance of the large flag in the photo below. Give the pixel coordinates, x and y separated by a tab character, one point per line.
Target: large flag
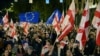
31	17
5	21
83	31
56	22
96	23
51	18
68	23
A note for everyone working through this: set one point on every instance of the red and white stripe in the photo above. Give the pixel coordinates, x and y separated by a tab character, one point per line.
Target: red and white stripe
5	21
83	32
55	23
68	22
96	23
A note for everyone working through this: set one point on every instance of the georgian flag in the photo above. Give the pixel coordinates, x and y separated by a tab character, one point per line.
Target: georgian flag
83	31
96	23
68	23
5	21
12	30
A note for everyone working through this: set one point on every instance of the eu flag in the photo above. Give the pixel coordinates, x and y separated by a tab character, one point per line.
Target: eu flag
31	17
50	19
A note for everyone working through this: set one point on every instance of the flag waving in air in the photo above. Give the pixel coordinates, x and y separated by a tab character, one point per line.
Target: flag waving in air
83	32
51	18
54	20
31	17
5	21
68	23
96	23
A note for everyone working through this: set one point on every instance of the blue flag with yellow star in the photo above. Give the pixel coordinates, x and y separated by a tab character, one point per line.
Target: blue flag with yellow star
31	17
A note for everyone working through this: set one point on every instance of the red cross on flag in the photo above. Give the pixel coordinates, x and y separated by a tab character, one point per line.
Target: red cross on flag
83	32
96	23
5	21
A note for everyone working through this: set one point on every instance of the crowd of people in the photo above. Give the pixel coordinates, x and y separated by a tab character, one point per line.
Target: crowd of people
40	41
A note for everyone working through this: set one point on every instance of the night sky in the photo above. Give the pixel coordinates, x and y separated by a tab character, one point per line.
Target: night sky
5	3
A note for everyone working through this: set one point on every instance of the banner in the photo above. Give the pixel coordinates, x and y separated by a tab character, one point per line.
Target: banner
31	17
